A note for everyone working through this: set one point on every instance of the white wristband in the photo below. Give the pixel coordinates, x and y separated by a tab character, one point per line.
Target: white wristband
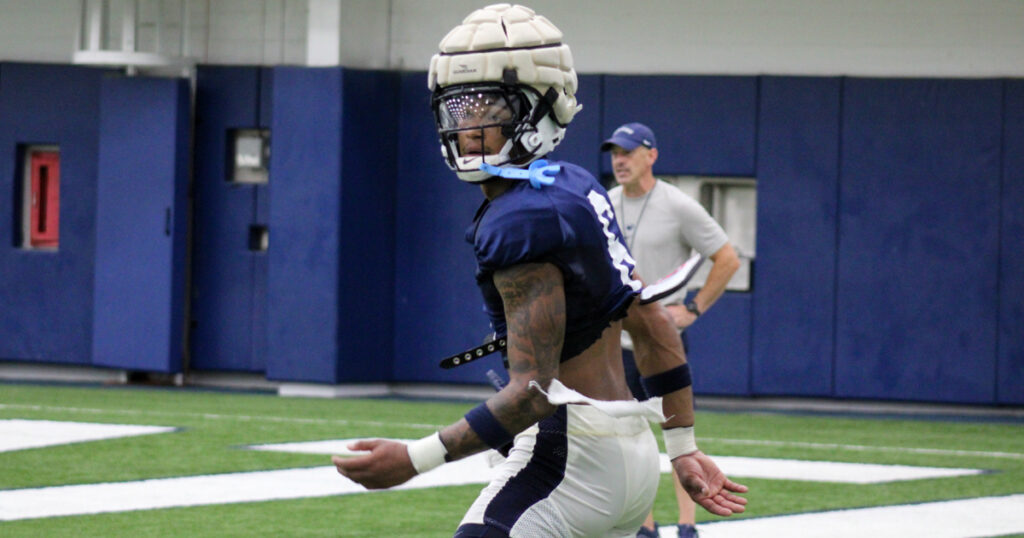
679	441
427	453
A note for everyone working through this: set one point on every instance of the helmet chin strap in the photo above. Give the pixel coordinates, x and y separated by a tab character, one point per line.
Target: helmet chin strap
539	173
546	106
533	142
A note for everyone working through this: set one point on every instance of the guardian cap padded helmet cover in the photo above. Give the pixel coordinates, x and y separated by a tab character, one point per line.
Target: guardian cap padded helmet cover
513	56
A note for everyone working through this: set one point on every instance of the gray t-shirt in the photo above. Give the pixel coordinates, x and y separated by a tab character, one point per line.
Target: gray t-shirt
661	228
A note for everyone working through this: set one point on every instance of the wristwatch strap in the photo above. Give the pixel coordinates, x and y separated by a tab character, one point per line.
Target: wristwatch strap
692	307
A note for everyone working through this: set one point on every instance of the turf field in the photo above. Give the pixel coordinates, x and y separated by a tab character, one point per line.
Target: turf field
211	432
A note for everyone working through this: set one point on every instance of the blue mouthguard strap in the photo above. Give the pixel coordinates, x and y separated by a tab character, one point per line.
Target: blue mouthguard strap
539	173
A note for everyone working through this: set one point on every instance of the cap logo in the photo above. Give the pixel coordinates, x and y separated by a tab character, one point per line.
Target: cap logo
624	129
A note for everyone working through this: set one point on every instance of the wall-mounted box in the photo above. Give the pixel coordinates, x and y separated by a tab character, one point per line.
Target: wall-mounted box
41	197
250	156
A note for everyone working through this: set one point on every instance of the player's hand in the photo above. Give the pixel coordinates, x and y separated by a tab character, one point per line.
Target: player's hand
707	486
386	465
682	317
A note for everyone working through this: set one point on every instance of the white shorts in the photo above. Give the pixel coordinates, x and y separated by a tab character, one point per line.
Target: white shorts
578	472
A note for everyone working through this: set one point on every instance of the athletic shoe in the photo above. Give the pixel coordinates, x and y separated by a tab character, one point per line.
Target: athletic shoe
644	532
687	531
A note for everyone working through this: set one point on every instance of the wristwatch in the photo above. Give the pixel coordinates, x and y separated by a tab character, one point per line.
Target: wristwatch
692	307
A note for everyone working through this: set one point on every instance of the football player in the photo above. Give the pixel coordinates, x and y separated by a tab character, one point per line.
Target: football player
558	284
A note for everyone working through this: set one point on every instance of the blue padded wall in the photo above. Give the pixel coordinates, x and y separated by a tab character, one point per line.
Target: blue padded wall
704	125
368	224
919	240
228	323
582	144
331	269
1010	389
305	215
438	309
797	218
141	223
889	227
46	303
261	264
719	347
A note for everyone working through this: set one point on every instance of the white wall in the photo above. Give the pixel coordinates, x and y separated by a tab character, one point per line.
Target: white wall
973	38
348	32
821	37
38	31
250	32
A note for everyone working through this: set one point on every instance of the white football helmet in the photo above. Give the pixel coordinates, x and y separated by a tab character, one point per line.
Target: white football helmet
503	90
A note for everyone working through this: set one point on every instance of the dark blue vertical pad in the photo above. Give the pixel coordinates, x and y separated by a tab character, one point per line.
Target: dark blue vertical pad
797	217
919	240
46	300
1011	273
331	269
719	347
141	223
305	215
225	272
370	164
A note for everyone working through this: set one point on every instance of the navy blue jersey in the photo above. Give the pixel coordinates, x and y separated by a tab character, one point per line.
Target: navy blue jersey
569	224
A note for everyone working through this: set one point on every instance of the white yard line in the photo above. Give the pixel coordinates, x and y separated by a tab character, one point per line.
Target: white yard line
826	471
867	448
324	481
771	468
18	434
169	492
986	516
283	484
212	489
952	519
990	516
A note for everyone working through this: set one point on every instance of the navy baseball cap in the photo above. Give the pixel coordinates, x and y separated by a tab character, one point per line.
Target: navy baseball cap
630	136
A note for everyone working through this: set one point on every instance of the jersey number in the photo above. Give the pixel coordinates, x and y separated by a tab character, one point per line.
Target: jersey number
616	250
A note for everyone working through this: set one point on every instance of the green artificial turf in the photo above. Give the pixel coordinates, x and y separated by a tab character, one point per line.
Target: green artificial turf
214	427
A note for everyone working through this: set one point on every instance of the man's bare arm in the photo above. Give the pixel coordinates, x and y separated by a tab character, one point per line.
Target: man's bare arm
724	263
534	299
658	349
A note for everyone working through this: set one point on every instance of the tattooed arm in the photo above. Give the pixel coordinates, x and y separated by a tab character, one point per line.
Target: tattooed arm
534	299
